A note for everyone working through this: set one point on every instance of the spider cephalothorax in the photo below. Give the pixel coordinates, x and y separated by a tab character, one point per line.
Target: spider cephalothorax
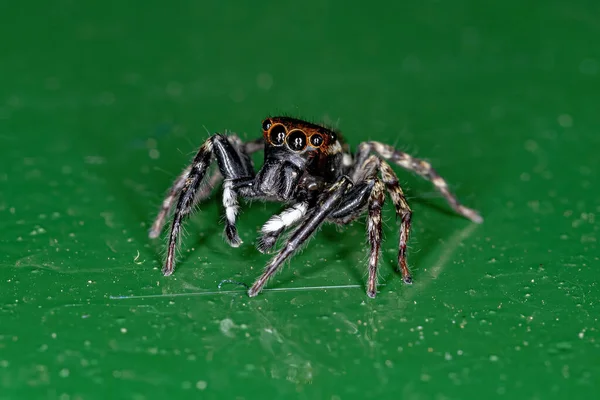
297	153
307	167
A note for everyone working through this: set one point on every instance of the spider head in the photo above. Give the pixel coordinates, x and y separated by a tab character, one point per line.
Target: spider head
292	148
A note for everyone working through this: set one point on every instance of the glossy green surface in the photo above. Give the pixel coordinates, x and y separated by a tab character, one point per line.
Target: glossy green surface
101	106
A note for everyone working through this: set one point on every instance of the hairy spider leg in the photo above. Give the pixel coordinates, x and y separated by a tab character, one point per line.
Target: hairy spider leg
333	196
376	201
369	167
353	203
204	191
248	148
370	194
422	168
236	166
167	203
233	164
356	200
186	199
403	211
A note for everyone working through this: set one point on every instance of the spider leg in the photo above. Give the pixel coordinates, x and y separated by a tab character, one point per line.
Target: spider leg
403	211
370	193
277	224
254	145
204	191
167	203
331	199
353	204
376	201
233	164
186	199
248	148
421	167
357	198
236	171
369	164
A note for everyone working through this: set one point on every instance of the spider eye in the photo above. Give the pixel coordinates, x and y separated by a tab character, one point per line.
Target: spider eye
296	140
316	140
277	135
266	124
333	136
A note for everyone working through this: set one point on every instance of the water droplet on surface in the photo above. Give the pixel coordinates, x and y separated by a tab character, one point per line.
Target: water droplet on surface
565	120
561	347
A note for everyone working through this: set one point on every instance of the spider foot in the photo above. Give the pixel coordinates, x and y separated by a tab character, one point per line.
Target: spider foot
372	293
153	233
266	242
470	214
253	292
406	276
402	265
232	236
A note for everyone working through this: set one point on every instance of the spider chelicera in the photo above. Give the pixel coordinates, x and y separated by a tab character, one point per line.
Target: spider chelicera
309	169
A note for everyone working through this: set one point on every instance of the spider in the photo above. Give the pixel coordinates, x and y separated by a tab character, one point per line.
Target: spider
310	169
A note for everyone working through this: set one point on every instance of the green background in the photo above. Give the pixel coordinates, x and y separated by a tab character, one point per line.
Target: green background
102	104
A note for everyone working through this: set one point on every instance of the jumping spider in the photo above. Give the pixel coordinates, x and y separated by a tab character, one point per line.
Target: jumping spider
309	169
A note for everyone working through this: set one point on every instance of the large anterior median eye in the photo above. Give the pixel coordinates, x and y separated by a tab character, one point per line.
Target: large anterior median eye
296	140
277	135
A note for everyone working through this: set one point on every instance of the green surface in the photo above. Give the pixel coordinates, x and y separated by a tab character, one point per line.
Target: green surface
102	105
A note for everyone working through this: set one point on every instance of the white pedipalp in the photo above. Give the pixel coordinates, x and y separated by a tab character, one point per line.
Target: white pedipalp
230	202
285	219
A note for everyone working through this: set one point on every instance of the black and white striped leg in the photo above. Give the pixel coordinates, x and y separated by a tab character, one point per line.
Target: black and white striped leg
230	203
186	199
328	203
371	163
216	177
231	192
168	203
277	224
369	194
403	211
421	167
204	191
376	201
234	164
